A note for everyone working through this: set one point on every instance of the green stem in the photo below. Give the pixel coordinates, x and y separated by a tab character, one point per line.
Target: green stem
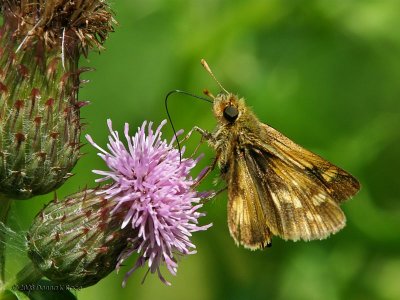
4	209
27	275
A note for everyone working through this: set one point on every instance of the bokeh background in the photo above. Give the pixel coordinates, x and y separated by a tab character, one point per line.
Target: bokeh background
325	73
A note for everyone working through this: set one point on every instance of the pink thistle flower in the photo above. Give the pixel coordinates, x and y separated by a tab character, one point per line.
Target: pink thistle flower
155	188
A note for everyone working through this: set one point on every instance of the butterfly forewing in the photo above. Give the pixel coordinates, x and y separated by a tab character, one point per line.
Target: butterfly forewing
337	182
246	216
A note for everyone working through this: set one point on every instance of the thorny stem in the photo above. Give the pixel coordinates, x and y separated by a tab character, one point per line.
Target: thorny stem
4	209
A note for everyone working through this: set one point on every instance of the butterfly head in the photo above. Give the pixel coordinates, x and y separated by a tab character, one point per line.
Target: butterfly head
228	108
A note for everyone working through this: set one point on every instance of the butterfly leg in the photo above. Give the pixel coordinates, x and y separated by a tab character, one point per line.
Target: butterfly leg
206	171
211	195
205	135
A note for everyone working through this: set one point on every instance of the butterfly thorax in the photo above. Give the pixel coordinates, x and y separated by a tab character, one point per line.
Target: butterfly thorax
237	127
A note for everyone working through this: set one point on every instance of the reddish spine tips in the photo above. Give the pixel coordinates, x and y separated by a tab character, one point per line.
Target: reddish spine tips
3	88
80	104
64	78
74	145
103	249
63	218
19	137
41	155
19	104
52	66
11	57
102	226
57	236
23	71
88	213
37	121
85	230
49	102
103	202
104	213
114	236
54	135
35	93
84	69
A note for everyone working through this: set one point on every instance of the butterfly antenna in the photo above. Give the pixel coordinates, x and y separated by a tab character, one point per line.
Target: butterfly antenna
208	94
170	119
208	69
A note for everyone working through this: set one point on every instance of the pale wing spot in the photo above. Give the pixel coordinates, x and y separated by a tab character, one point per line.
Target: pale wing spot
318	199
245	218
276	200
297	202
329	174
310	216
295	160
318	218
307	230
305	163
286	196
237	208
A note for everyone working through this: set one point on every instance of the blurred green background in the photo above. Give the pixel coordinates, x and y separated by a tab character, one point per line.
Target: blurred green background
325	73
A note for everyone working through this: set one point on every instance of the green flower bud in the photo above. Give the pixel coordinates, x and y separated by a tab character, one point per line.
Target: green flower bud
78	241
40	45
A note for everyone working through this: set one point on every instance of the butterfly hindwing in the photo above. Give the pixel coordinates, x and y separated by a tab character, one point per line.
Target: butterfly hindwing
296	206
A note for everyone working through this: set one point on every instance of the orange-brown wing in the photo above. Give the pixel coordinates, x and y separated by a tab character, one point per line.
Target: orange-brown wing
338	183
295	205
277	187
246	218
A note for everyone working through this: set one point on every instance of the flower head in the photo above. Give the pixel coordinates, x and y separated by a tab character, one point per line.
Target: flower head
152	184
40	46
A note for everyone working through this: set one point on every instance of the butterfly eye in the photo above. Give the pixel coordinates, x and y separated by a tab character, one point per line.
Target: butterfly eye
231	113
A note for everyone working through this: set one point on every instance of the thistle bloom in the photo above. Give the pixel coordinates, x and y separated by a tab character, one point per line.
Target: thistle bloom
153	186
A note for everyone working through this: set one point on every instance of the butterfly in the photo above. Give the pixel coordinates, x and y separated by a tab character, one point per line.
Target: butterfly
275	187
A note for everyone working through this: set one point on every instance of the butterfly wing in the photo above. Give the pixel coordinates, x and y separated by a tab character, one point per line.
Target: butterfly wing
246	217
277	186
340	184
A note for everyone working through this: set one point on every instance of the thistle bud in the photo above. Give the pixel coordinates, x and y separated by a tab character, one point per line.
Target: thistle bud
77	241
40	45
